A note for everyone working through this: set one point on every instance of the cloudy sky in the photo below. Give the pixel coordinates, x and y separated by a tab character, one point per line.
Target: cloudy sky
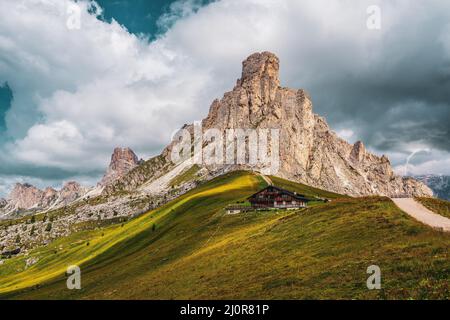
129	73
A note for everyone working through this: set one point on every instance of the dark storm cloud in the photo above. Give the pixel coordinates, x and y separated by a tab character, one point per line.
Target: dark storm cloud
42	172
401	94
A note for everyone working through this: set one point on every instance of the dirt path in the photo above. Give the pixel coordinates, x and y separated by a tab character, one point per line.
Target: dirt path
422	214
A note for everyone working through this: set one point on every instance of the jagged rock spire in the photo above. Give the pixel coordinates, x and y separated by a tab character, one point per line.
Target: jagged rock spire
358	152
310	152
122	161
261	66
260	78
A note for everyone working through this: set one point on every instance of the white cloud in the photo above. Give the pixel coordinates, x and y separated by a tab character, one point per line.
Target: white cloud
345	133
80	93
437	166
422	161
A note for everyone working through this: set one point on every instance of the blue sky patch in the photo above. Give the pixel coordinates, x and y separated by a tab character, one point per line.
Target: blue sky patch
139	16
6	97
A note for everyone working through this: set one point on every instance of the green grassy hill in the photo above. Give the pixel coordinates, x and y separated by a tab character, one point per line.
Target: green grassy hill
190	249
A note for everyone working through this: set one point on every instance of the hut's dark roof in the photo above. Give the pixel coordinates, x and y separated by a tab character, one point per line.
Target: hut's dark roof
281	190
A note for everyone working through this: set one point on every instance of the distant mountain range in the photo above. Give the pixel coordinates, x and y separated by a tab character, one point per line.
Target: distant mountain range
440	184
26	198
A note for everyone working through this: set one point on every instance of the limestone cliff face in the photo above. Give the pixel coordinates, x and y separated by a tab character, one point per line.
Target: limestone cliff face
25	196
70	192
123	160
49	196
310	152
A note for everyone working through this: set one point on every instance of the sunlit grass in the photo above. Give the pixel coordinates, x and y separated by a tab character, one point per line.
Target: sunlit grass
79	248
197	251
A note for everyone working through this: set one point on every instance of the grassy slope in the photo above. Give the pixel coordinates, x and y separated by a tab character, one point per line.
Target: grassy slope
199	252
91	246
438	206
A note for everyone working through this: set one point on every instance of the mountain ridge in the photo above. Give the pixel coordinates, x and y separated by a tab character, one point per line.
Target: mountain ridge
310	152
25	196
440	184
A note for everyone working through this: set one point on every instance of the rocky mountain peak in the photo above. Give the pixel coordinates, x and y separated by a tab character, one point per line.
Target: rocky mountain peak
310	152
25	196
71	191
122	161
261	66
71	186
48	197
123	158
49	191
259	81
